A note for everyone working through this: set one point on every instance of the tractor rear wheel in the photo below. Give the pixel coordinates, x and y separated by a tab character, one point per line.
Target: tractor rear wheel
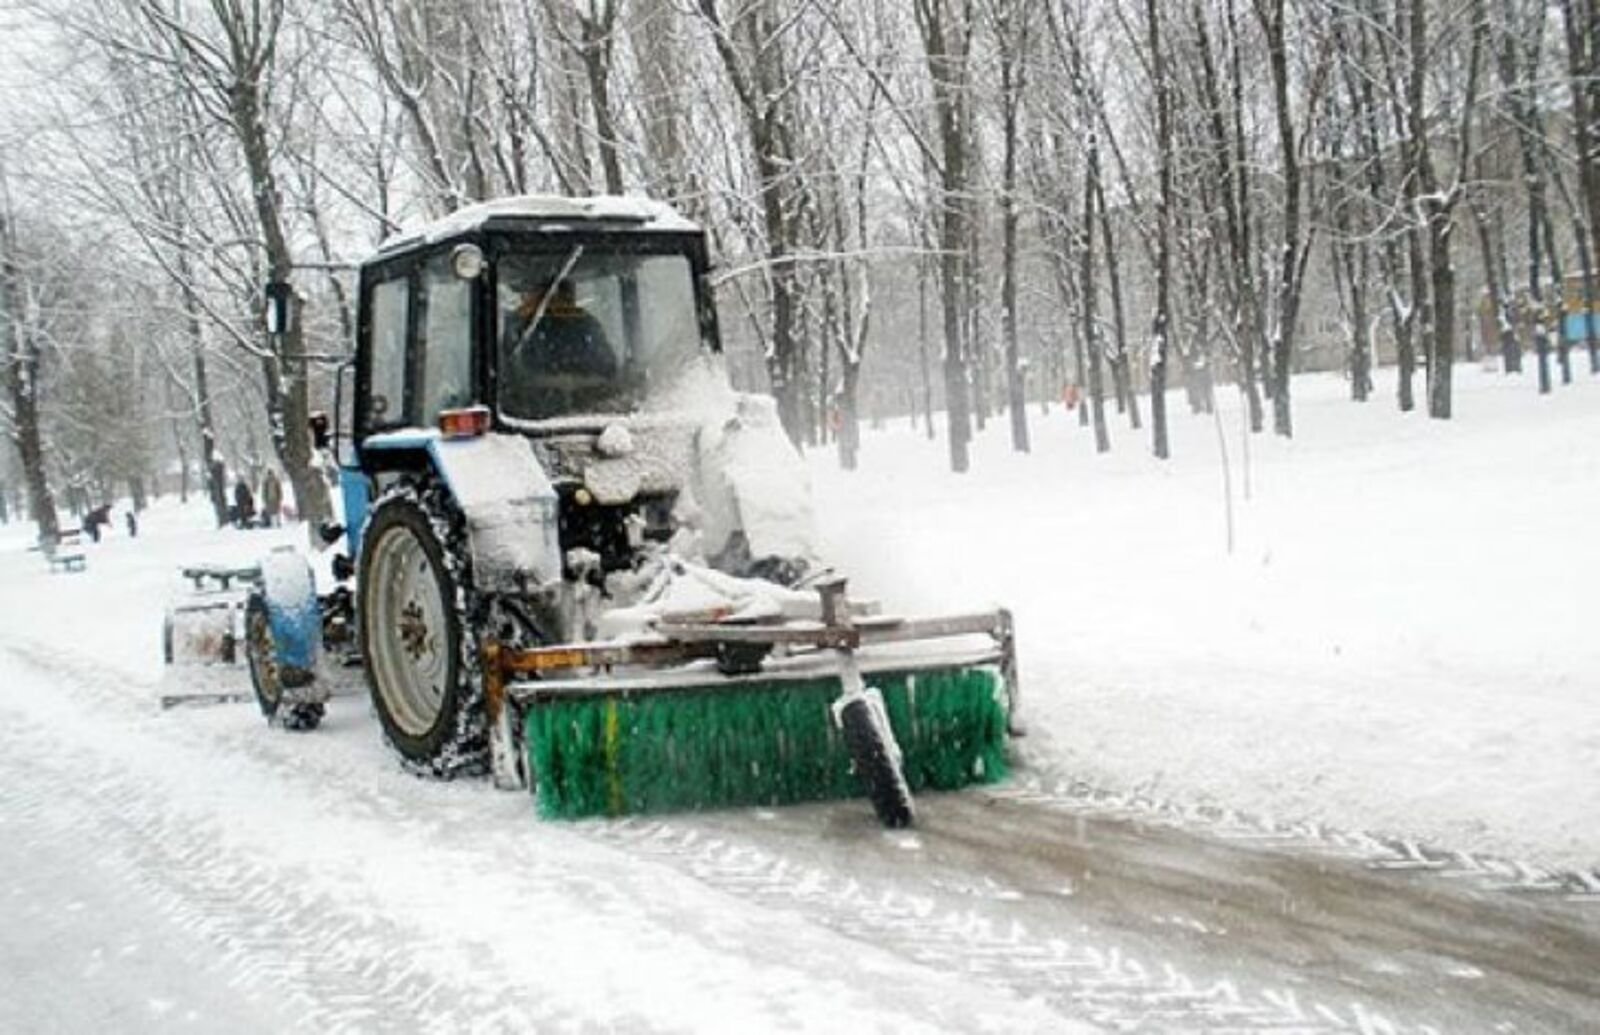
418	641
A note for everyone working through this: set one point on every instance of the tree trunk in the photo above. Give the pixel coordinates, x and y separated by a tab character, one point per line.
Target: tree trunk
1520	101
758	84
974	348
205	421
1557	301
849	434
1495	286
1228	152
1010	94
946	41
1161	324
1541	337
1121	377
1591	335
1581	75
1272	21
22	384
1102	441
1441	361
597	48
922	349
1361	370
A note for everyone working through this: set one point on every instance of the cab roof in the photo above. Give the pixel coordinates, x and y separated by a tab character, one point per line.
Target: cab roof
552	212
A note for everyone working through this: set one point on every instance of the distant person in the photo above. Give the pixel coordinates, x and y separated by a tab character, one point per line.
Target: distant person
133	525
96	518
271	498
244	504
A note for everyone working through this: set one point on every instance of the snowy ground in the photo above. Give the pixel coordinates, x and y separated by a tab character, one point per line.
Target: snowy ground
1396	645
1400	641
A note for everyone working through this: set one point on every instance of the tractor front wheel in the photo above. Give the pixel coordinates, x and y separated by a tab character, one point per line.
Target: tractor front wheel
270	679
417	640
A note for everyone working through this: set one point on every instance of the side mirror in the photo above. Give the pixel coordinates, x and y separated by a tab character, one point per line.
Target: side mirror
319	429
279	307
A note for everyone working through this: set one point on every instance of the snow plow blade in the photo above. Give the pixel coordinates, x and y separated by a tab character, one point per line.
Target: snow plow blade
204	632
205	627
702	717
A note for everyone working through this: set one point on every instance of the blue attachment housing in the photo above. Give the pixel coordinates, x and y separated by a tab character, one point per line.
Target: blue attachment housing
294	614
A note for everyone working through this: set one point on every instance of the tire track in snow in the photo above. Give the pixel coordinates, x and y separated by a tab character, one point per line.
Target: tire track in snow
281	933
321	961
1041	788
1103	984
1118	989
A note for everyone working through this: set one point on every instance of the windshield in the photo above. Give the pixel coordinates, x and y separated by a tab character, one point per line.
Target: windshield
586	331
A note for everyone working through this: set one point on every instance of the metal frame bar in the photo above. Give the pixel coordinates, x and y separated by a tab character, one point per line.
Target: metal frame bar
517	679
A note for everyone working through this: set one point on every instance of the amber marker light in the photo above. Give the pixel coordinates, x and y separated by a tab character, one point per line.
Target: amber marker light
468	423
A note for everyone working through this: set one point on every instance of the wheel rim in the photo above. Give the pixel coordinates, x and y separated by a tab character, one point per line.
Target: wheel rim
263	654
408	629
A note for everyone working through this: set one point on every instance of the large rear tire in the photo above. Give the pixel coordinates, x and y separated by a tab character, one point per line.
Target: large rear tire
419	643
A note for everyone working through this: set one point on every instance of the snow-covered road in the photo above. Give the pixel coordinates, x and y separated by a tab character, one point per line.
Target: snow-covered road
192	868
326	883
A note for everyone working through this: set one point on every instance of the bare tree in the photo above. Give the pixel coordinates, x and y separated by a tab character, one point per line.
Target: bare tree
1582	28
1012	21
23	290
228	62
1225	151
1294	247
1161	322
754	60
946	28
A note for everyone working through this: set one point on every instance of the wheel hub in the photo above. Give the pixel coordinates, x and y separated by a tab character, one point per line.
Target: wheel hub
414	631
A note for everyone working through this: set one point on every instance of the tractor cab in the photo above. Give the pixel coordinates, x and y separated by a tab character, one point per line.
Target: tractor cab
552	320
539	309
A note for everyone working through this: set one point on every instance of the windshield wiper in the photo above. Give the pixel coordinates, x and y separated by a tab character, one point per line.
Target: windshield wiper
544	301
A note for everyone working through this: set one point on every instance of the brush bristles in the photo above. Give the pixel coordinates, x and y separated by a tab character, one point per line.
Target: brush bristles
762	743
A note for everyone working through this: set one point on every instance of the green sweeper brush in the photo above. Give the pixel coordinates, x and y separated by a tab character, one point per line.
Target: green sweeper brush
715	714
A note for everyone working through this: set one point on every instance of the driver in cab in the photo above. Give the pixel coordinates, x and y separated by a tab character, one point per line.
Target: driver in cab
551	335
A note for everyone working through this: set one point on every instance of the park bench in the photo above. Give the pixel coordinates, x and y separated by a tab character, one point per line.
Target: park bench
61	552
219	576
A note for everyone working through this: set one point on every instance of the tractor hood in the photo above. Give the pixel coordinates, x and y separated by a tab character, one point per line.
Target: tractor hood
723	454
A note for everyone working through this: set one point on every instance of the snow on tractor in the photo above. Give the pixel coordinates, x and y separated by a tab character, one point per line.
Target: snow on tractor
574	557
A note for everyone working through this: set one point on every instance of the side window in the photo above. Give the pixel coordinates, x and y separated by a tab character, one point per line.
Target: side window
446	341
388	374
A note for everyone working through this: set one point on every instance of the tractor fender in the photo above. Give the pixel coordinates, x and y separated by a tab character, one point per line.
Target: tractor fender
510	506
289	592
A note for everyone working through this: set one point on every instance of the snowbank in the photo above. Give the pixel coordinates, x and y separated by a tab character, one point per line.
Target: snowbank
1397	644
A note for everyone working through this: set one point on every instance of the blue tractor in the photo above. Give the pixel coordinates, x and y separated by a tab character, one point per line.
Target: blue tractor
551	493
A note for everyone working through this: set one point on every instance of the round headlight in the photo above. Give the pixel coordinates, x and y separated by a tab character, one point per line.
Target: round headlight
467	261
